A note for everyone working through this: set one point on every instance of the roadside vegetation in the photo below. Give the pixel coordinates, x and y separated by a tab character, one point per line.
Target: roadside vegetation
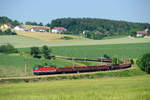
144	62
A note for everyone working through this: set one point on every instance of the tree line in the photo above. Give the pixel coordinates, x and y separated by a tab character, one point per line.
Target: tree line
6	20
95	27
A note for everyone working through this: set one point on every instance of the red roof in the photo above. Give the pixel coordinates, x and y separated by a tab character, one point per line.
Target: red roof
59	28
41	28
141	32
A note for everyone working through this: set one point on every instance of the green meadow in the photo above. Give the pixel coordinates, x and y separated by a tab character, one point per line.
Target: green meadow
24	42
114	88
14	64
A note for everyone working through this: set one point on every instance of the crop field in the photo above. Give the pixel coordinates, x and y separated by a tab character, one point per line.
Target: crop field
23	42
125	88
96	51
47	36
31	26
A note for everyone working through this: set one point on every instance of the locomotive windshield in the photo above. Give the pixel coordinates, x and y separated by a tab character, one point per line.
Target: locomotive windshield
35	68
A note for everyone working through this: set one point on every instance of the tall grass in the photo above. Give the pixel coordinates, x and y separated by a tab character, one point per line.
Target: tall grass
125	88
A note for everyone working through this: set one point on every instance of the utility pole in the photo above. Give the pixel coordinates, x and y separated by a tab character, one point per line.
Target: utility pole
25	66
101	60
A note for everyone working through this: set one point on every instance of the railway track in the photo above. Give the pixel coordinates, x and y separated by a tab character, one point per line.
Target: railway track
67	74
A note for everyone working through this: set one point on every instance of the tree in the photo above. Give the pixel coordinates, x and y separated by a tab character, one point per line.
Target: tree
131	60
31	23
35	52
46	51
40	24
144	62
148	32
106	56
114	61
133	33
8	49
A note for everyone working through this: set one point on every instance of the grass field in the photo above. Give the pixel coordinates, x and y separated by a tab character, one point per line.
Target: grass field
20	41
95	51
23	42
125	88
14	65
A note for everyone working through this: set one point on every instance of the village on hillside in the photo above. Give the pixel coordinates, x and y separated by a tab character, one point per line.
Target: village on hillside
45	29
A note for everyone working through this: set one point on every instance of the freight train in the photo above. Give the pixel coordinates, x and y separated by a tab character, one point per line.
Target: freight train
45	70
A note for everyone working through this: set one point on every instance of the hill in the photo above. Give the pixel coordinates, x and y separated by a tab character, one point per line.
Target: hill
104	26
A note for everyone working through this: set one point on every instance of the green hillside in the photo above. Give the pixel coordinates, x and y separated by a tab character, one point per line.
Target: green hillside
104	26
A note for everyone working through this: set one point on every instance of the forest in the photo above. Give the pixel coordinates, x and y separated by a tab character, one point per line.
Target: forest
97	26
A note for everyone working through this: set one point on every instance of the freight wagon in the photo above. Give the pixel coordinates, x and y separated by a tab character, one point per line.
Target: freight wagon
44	70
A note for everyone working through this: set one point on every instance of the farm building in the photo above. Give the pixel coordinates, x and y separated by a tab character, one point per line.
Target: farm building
20	28
39	29
5	26
58	30
141	33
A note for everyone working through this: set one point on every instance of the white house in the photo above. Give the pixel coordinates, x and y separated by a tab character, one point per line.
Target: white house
39	29
141	33
20	28
58	30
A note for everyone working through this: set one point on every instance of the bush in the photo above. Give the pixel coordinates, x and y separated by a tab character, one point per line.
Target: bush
35	52
7	32
8	49
66	38
144	63
106	56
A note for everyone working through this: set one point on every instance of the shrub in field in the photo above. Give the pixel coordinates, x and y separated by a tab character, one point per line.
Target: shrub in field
7	32
116	61
46	51
66	38
131	60
8	49
106	56
144	62
35	52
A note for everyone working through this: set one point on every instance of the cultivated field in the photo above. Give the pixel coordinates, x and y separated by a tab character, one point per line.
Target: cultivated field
22	42
47	36
125	88
96	51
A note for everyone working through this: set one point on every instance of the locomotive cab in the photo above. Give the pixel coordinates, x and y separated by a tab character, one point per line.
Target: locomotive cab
35	68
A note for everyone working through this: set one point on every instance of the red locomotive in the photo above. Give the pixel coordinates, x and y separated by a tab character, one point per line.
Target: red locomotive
44	70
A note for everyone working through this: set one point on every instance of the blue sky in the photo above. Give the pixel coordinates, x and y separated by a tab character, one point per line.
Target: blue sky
47	10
